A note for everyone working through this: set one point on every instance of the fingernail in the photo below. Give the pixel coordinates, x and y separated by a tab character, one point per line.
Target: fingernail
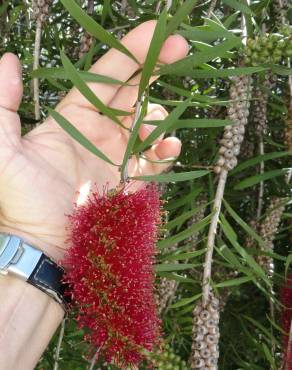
150	128
156	114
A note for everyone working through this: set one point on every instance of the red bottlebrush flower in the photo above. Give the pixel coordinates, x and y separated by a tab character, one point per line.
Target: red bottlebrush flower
286	300
110	270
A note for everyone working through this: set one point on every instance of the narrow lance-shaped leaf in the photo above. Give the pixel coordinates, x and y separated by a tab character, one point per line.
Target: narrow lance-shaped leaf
185	216
234	282
134	133
78	136
185	65
185	301
229	233
253	180
225	72
88	93
94	28
153	52
185	233
173	177
180	15
165	124
238	6
61	74
244	225
256	160
174	267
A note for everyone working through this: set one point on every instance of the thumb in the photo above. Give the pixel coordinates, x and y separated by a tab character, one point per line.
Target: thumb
10	82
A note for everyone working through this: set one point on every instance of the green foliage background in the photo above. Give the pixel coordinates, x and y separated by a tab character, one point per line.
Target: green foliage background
202	80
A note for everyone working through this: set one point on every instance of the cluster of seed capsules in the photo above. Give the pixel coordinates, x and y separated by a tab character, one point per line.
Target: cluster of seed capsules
271	48
85	44
270	224
238	112
205	349
281	9
267	229
166	290
40	9
166	359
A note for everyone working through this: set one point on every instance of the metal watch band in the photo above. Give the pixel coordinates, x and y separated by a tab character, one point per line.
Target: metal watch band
33	266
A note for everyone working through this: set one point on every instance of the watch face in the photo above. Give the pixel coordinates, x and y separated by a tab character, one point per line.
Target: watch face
3	242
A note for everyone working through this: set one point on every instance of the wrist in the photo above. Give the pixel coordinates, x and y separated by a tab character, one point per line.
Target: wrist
47	244
28	319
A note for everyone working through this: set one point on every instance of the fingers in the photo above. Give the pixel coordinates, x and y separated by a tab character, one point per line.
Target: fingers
168	148
119	66
175	48
155	113
10	97
10	82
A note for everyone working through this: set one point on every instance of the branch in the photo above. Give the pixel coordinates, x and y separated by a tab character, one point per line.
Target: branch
58	348
37	47
138	110
211	8
262	170
212	234
94	359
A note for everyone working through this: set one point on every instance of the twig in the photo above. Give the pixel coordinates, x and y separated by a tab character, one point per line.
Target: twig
138	111
94	359
168	4
90	7
58	348
211	8
36	90
262	170
124	4
212	234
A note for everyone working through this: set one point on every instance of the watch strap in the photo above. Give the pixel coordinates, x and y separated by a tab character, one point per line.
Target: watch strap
48	277
28	263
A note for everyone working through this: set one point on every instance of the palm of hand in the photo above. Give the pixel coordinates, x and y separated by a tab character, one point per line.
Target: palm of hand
42	174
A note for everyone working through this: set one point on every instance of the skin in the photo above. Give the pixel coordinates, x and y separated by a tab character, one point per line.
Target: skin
44	173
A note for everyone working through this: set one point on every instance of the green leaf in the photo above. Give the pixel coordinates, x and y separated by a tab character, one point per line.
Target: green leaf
182	12
176	277
164	125
60	73
238	6
174	267
186	199
4	7
186	301
183	256
185	216
256	160
138	120
244	225
244	253
94	28
227	72
185	66
185	233
172	176
281	70
253	180
199	123
78	136
153	52
288	263
88	93
233	282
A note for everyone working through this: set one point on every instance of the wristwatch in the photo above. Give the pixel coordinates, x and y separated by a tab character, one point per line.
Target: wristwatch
31	265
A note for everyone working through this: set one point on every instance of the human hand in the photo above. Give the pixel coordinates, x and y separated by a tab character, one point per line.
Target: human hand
45	172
